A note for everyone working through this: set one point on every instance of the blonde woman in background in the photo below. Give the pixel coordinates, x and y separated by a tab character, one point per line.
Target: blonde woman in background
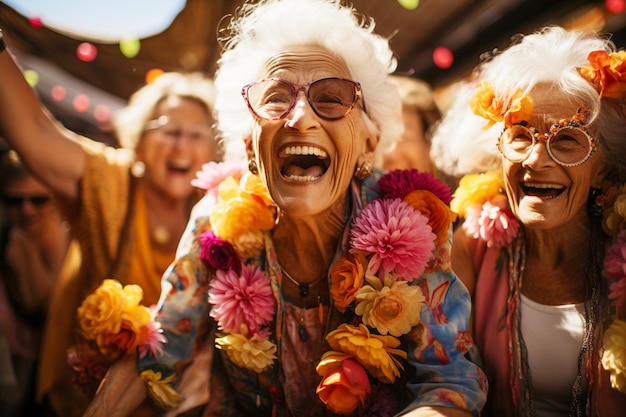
128	207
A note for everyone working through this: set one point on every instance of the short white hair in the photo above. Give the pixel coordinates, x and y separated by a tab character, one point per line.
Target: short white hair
264	29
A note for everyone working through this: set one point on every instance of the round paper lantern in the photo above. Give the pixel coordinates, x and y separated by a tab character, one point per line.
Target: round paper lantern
615	6
86	52
409	4
102	113
81	103
58	93
443	57
130	47
32	77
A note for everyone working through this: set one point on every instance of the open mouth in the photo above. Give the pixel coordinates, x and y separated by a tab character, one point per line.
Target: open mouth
304	163
542	190
178	167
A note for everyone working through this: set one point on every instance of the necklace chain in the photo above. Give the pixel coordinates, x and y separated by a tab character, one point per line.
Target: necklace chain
304	288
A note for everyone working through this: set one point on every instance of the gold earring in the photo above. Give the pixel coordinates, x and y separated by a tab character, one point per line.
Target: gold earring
252	166
363	170
138	169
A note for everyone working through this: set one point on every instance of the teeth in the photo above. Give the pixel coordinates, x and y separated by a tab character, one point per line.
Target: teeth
304	150
302	178
554	186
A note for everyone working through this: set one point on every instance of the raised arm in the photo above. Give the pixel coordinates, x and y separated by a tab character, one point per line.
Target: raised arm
44	145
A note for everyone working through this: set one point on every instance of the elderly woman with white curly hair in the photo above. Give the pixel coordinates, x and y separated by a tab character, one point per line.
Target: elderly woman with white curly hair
329	285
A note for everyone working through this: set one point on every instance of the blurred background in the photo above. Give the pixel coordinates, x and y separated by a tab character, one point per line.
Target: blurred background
86	58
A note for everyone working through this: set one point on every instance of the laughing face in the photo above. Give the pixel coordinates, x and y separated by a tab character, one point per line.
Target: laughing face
174	146
306	161
542	193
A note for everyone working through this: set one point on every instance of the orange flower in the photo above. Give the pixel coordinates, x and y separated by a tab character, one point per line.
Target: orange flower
439	215
347	277
485	104
345	384
607	73
247	201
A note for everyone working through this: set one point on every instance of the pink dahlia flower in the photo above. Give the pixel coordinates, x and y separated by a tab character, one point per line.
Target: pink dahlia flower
154	339
213	173
493	222
398	183
398	237
244	298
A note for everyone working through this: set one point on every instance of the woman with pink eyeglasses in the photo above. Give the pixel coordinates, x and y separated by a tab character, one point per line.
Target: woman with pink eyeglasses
308	284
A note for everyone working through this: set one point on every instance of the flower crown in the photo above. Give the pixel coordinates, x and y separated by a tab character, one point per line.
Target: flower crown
607	73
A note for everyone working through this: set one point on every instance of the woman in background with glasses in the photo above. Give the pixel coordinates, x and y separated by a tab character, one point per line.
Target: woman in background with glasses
127	206
33	242
533	250
329	286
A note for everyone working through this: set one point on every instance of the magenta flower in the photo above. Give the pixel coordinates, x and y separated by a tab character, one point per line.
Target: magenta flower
493	222
615	259
213	173
383	401
398	237
244	298
399	182
154	339
88	365
218	254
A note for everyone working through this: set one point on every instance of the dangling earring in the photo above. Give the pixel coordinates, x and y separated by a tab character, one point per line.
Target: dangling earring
363	170
138	169
596	202
252	166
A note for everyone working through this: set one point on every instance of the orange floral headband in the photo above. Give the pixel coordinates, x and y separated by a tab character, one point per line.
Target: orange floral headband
486	104
607	73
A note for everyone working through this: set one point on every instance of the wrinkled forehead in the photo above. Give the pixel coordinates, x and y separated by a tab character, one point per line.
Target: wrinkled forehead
549	109
305	63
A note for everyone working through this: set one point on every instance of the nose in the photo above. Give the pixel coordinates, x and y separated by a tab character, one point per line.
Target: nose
302	116
539	157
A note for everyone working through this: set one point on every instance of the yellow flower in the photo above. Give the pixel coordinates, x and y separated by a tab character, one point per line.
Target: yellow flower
374	352
254	353
615	217
485	104
614	355
248	202
249	244
101	312
476	189
160	390
392	308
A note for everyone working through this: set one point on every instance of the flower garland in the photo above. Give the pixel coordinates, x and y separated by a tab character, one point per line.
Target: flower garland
112	323
481	200
393	240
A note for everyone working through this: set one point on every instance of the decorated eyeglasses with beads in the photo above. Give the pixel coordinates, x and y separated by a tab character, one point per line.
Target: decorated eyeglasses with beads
568	143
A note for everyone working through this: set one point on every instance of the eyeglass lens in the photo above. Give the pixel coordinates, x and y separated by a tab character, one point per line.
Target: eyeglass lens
330	98
18	201
569	146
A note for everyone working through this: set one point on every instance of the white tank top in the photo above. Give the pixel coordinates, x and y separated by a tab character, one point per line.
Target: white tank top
553	337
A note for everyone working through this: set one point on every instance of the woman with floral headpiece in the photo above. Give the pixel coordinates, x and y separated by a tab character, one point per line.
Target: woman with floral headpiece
540	248
309	285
